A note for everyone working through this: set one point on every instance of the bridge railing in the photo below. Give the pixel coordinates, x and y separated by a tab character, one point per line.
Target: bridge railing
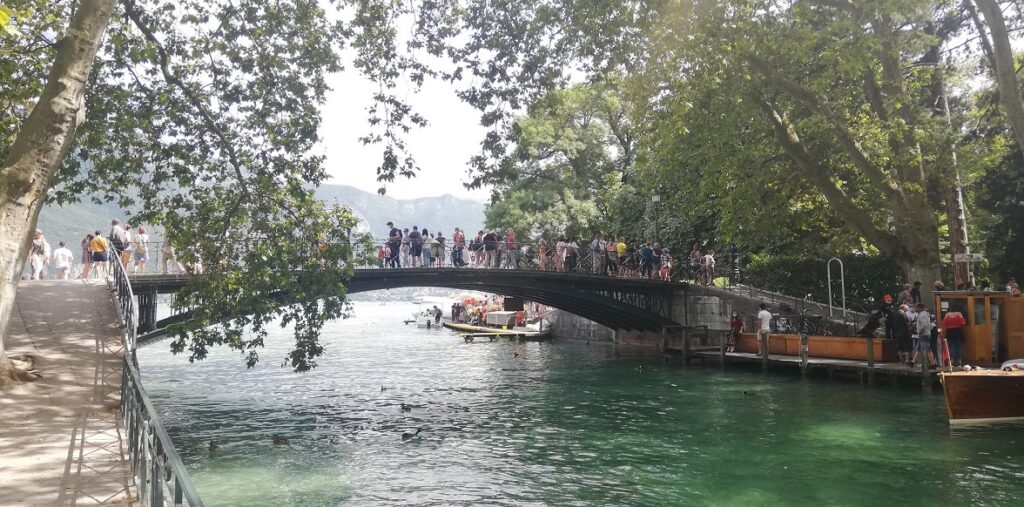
161	258
160	475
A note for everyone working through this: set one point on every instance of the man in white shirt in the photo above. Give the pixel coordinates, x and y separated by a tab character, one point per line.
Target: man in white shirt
63	259
764	328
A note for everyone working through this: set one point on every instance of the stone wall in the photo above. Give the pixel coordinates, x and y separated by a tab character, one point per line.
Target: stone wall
692	306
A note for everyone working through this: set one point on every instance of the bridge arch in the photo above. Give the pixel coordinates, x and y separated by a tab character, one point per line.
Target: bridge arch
621	304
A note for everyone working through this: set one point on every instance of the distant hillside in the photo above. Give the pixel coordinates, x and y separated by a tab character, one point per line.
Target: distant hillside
71	223
443	213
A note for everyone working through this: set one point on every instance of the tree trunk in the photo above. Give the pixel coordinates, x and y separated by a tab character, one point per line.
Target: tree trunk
918	256
39	148
1006	73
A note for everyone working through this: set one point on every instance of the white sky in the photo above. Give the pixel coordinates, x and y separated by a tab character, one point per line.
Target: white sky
442	149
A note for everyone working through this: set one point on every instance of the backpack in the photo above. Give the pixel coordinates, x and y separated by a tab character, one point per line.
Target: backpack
116	242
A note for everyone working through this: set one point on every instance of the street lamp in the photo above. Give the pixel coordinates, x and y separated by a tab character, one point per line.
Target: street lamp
656	199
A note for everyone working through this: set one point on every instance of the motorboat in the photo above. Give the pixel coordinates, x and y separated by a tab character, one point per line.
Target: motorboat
981	396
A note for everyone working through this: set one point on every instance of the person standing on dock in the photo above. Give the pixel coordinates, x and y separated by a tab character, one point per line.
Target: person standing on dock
901	333
764	328
735	330
924	327
953	325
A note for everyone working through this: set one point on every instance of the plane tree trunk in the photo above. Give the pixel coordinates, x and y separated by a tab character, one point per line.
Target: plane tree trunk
37	152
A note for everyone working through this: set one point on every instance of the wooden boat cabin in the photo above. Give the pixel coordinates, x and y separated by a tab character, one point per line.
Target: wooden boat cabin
995	324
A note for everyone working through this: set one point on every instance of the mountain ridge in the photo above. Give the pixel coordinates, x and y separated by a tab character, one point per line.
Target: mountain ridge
72	222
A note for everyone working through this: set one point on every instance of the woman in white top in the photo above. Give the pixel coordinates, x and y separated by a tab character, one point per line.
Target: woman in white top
140	243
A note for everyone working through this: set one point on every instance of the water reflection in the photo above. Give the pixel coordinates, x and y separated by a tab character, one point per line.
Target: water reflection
560	424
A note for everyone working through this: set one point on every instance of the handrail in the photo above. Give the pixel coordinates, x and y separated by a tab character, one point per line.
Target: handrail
520	256
160	476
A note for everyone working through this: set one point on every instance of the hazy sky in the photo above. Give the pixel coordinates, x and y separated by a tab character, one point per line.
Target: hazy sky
442	148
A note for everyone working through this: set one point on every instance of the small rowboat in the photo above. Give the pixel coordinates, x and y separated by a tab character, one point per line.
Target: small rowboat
984	396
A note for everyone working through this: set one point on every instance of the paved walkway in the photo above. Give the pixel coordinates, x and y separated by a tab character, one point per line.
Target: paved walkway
60	436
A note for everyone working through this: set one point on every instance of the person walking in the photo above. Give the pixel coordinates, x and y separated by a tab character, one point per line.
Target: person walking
709	268
169	257
63	260
86	256
100	248
40	254
129	246
140	250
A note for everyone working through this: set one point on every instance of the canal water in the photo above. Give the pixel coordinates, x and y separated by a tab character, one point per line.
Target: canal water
563	423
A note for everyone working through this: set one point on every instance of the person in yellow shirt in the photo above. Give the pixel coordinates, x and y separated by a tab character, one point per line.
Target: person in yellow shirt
620	250
100	248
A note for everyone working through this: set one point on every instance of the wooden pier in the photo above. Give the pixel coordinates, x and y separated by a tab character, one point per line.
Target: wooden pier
893	373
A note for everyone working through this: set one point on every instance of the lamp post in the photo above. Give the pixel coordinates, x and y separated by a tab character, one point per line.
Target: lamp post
656	199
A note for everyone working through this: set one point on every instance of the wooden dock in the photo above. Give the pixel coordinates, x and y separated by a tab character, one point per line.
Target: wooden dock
894	373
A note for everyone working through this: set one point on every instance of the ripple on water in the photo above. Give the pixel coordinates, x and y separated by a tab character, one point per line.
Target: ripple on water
562	424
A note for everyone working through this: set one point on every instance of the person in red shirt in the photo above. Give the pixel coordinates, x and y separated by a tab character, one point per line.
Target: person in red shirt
953	325
735	328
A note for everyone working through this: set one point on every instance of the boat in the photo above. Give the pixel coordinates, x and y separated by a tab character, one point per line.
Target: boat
982	396
423	318
469	332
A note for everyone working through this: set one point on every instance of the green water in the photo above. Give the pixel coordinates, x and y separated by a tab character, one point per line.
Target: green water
558	424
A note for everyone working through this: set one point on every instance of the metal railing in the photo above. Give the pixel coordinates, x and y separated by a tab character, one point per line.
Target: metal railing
160	476
522	256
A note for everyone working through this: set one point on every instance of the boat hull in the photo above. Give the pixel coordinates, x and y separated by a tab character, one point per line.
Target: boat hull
988	396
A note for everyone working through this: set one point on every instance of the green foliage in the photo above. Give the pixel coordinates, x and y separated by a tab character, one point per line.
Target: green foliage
1000	194
202	118
866	277
28	34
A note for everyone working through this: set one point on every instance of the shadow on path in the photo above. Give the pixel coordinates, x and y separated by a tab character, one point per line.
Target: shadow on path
61	436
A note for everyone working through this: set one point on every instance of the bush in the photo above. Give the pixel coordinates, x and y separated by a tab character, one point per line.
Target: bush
866	277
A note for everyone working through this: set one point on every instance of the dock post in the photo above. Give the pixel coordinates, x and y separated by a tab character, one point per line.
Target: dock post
686	347
926	380
871	360
803	354
721	352
764	350
664	340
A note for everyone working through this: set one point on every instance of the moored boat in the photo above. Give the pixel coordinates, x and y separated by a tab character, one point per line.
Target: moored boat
984	396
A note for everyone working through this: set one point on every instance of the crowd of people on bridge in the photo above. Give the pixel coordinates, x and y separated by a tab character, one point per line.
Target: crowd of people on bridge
128	244
419	248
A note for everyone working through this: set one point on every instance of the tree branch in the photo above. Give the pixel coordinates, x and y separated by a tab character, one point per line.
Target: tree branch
819	177
875	175
208	120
